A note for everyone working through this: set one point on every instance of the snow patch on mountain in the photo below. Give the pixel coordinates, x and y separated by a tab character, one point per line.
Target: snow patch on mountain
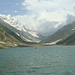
17	34
53	43
73	28
16	24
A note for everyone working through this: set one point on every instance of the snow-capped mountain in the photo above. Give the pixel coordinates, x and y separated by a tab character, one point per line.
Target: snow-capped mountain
30	35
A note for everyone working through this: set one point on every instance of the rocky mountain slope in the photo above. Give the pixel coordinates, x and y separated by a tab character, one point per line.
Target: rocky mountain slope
62	34
23	31
8	38
68	41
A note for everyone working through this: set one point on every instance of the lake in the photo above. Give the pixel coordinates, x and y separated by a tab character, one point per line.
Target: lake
51	60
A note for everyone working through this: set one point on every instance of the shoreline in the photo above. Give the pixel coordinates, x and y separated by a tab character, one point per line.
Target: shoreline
35	45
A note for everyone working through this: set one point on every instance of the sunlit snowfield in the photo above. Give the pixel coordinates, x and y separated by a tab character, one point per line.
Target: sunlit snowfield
53	60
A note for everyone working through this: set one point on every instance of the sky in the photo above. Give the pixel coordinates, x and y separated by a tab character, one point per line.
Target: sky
42	16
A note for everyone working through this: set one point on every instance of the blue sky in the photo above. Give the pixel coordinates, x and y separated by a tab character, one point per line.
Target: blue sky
22	7
13	7
39	15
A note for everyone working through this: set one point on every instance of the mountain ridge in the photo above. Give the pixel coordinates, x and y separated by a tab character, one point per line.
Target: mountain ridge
62	33
9	38
25	33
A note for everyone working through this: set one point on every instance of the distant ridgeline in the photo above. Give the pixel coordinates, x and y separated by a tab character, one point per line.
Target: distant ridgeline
12	37
65	35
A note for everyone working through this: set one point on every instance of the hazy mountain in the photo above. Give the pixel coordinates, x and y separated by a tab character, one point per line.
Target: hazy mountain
61	34
22	31
71	39
47	28
70	19
50	28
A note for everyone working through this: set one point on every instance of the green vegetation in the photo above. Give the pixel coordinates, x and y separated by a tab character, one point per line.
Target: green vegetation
68	41
8	38
1	47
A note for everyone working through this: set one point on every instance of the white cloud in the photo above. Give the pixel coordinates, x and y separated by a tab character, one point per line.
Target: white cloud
29	21
15	11
43	11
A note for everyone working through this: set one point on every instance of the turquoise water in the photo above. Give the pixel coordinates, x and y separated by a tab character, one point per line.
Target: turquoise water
53	60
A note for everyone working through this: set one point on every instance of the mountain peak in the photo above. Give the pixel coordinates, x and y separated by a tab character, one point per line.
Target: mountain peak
16	24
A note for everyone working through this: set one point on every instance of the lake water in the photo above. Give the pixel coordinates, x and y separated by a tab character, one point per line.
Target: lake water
53	60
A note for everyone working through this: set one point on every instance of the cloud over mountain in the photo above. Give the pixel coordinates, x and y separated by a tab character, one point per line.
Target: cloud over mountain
41	13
